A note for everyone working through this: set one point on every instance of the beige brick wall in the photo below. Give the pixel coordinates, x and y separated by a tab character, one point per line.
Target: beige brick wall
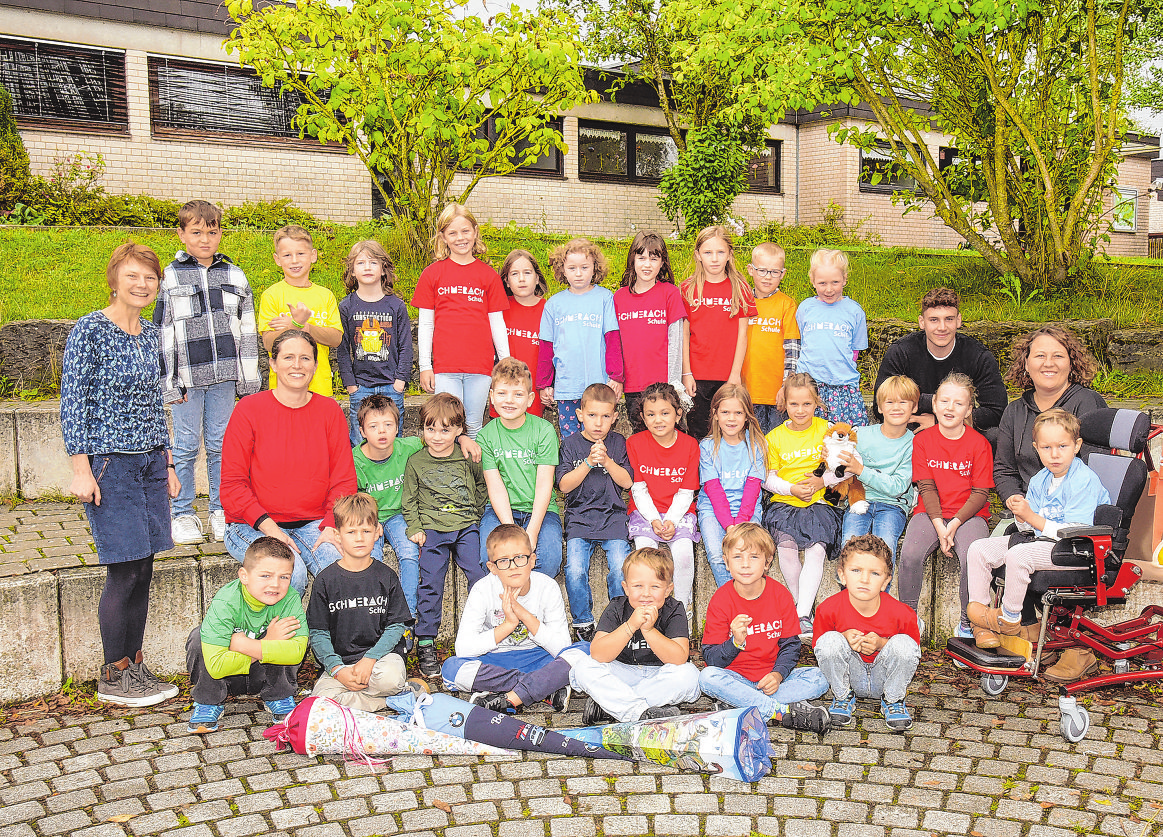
1156	214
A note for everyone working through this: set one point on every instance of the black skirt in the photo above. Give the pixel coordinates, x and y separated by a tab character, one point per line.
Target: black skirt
806	525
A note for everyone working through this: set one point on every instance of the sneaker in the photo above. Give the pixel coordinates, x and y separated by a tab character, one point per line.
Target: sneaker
117	684
204	718
409	641
218	525
585	633
187	529
806	716
720	705
141	671
806	627
281	708
655	713
559	700
492	701
594	715
428	659
896	715
842	709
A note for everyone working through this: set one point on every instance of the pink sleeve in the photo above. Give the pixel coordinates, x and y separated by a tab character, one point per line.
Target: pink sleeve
614	368
855	355
718	498
545	364
752	488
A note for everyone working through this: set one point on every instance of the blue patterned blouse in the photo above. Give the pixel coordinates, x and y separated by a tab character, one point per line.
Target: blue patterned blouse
111	395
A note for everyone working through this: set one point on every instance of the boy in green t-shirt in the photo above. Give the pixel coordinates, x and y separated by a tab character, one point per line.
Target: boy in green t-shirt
519	453
252	639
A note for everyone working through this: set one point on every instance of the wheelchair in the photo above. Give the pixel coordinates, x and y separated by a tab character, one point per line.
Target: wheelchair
1090	573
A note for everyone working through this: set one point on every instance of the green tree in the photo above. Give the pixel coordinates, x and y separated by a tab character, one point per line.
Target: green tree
14	169
701	186
420	91
1029	92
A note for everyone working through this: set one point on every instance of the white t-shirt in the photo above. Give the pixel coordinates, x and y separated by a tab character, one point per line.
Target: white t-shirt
482	613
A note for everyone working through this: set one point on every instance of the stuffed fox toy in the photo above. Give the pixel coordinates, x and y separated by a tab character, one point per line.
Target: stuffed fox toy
841	439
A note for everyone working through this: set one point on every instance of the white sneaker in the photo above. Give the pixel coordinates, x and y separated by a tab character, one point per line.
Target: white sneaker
218	525
187	529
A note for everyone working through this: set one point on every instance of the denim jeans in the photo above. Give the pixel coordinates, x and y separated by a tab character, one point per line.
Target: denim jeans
407	554
713	534
578	552
802	683
884	520
202	419
239	537
888	676
357	397
473	391
548	546
770	417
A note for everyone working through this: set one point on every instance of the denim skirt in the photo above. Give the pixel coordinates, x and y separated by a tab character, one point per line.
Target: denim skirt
133	520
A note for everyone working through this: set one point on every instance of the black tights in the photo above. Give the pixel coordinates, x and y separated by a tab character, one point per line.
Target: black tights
123	608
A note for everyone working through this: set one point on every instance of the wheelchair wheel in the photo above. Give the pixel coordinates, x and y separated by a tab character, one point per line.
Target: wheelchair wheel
1075	720
994	684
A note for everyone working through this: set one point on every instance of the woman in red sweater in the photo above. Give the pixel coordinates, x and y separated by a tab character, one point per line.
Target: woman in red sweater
286	459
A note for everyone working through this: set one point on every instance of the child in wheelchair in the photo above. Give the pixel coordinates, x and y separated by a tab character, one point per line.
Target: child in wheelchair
1064	493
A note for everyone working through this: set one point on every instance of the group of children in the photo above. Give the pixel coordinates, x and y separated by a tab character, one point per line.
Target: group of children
754	378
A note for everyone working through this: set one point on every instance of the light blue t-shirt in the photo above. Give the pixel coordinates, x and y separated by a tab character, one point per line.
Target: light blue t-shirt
732	467
829	334
576	325
888	466
1077	497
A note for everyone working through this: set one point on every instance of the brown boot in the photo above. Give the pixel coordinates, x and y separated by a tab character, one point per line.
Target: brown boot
985	638
1074	664
991	619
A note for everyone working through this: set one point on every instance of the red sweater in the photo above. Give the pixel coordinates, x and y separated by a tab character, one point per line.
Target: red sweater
289	463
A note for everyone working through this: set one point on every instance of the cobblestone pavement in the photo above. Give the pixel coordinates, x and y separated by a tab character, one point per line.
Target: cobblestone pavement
970	766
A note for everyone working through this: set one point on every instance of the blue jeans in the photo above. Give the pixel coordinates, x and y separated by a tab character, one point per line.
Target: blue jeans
357	397
802	683
548	546
473	391
713	534
577	574
202	419
407	553
884	520
770	417
239	537
887	677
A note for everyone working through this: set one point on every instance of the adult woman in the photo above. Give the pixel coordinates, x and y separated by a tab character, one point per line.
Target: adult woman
114	428
286	459
1054	369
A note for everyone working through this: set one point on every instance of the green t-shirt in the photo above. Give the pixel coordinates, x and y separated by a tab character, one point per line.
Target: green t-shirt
230	611
384	479
516	454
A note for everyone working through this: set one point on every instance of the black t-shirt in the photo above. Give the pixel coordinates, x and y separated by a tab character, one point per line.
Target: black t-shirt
671	623
595	509
356	608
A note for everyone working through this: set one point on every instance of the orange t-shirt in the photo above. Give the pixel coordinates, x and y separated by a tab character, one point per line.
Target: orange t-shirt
774	322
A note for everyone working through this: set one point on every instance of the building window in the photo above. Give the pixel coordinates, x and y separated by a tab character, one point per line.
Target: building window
879	172
206	98
1123	212
763	170
608	151
62	84
550	163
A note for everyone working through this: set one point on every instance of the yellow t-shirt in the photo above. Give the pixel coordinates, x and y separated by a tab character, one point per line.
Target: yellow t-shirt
324	312
795	455
774	322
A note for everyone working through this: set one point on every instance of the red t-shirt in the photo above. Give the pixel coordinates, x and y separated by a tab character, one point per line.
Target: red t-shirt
462	295
836	613
714	332
664	470
773	617
955	465
643	320
523	324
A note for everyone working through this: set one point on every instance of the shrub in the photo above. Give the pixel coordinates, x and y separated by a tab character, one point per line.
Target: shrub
705	181
14	169
268	215
68	196
832	231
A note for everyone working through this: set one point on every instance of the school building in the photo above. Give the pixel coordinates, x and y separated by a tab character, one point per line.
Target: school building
146	84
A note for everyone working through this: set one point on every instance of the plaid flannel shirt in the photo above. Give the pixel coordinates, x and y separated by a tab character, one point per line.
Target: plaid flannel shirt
208	333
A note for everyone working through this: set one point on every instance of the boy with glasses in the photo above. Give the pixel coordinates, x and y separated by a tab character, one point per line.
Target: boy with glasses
773	339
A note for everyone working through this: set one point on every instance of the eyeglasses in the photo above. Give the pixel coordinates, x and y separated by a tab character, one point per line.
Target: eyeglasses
769	272
515	561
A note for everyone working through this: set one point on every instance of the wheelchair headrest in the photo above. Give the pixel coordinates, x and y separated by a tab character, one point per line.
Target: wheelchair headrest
1120	429
1122	476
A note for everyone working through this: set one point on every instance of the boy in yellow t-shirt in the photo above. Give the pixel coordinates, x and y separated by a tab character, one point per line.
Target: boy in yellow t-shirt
773	339
297	303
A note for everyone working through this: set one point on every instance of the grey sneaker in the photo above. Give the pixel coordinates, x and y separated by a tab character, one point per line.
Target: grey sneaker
141	671
186	529
118	685
218	525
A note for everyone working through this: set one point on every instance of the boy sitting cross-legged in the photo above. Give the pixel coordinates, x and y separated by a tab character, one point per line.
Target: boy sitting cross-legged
638	666
593	472
357	614
252	639
867	643
751	640
511	631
